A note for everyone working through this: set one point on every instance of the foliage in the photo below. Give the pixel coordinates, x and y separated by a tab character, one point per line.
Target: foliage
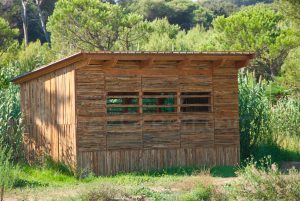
290	74
84	24
162	37
8	172
266	125
7	35
258	28
93	25
132	32
290	8
263	181
20	60
185	13
220	7
196	39
286	119
11	11
10	122
254	111
201	192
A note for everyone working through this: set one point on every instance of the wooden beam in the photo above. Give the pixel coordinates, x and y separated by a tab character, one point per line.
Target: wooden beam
175	57
110	63
218	63
146	63
82	63
243	63
184	63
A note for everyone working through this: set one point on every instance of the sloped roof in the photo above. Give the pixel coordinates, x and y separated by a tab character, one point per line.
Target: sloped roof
129	55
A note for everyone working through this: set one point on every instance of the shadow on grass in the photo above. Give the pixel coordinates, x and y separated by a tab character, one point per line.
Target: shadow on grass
58	166
216	171
21	183
278	154
176	171
223	171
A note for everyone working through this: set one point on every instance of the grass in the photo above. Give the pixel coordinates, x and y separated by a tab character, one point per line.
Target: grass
43	183
54	182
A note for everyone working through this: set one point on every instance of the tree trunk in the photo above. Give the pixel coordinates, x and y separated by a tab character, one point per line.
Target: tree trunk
42	20
24	19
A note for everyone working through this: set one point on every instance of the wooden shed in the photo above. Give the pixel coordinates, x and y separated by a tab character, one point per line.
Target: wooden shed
112	112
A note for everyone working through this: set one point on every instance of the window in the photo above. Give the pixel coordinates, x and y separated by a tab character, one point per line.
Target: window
195	102
159	102
122	102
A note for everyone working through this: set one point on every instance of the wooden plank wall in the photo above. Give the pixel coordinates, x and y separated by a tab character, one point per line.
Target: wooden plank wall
226	115
48	106
179	139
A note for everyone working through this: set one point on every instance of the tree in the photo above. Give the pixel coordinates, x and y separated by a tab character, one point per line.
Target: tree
162	36
258	28
38	4
25	20
184	13
93	25
290	8
7	35
220	7
132	32
290	73
37	12
196	39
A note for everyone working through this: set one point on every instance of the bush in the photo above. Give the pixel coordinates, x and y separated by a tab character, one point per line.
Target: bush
7	170
263	181
199	193
266	127
254	109
103	193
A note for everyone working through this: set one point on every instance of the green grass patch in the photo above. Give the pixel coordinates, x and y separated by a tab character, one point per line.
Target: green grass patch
42	176
199	193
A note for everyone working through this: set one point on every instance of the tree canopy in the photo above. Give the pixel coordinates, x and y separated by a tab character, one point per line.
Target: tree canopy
258	28
7	35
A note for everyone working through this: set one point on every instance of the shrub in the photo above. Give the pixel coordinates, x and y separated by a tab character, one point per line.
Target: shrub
7	170
265	126
199	193
263	181
254	111
103	193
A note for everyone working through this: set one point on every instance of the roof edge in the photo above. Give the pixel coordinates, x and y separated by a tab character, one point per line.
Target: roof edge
45	69
37	72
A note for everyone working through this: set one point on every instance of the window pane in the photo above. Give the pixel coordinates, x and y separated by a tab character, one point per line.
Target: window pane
122	101
197	100
122	110
159	109
195	109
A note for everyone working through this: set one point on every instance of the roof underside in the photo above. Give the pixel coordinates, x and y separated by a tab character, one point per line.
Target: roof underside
108	57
